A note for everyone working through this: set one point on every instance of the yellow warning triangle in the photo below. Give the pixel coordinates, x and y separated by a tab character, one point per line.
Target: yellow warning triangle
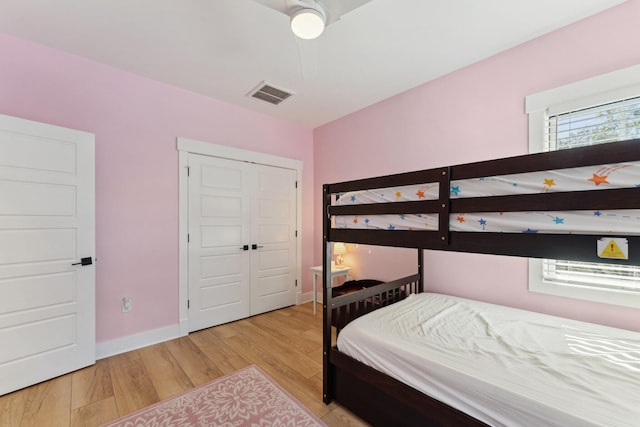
612	250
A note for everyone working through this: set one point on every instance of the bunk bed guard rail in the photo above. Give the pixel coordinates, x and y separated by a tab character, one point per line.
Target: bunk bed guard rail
579	247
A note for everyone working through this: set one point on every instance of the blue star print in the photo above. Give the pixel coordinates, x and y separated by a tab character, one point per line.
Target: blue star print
391	227
482	222
558	220
353	198
402	216
455	190
597	213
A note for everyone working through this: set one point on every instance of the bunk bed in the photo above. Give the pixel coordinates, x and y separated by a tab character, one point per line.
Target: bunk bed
449	209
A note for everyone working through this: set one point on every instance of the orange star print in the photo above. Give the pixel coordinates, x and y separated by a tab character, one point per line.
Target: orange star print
599	179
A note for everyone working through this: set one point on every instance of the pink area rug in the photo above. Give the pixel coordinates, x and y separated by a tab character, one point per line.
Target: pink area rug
248	397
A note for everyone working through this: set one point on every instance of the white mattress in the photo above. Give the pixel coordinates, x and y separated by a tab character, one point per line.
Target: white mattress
504	366
623	222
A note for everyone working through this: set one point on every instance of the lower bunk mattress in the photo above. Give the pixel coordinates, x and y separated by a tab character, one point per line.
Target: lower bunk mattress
503	366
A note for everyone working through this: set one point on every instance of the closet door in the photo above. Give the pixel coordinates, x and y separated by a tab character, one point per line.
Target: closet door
242	243
219	261
273	220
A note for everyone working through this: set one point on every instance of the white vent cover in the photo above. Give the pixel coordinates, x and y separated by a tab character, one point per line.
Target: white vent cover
269	93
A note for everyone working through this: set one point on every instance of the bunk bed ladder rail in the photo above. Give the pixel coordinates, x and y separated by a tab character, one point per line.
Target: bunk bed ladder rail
348	307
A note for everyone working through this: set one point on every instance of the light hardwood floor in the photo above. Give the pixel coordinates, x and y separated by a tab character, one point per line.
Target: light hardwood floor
287	344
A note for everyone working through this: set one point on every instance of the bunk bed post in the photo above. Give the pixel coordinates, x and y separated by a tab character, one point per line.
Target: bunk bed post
326	296
421	270
444	192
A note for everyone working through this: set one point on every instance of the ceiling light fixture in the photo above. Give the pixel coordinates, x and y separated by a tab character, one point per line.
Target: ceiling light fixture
308	22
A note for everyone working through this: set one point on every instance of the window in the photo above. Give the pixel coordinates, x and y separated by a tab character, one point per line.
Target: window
595	111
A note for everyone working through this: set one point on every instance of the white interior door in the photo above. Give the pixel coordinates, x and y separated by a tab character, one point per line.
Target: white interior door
219	275
273	228
242	246
47	224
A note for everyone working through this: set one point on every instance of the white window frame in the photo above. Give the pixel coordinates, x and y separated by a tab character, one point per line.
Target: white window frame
603	89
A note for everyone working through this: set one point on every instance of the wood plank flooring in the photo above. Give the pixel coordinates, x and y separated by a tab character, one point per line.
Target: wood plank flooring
287	344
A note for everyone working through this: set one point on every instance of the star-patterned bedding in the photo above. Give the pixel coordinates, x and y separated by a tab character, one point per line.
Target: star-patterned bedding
626	175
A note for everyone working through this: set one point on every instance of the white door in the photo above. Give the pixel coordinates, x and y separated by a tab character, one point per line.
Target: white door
273	220
241	242
219	275
47	211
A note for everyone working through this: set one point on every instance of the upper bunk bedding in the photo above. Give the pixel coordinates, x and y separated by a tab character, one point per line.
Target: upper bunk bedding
501	365
598	177
564	205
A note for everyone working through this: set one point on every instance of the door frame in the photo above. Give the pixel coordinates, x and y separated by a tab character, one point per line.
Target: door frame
188	146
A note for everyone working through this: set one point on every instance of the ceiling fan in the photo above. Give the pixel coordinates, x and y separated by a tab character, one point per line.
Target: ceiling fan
310	17
308	20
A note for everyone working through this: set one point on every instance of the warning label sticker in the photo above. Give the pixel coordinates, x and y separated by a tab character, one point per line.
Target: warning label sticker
617	248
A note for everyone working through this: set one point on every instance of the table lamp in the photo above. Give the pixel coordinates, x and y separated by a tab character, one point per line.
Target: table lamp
339	249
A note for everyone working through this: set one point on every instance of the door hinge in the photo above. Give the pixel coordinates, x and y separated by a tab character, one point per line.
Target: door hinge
296	184
188	170
188	303
296	283
188	237
296	233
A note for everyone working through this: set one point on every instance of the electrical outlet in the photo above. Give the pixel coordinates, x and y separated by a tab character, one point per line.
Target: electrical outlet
127	305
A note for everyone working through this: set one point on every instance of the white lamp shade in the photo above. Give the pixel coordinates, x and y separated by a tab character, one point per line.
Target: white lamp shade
307	23
339	249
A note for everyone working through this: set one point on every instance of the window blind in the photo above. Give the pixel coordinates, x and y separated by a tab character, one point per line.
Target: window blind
607	276
616	121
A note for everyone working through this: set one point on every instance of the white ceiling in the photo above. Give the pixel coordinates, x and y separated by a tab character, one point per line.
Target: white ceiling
224	48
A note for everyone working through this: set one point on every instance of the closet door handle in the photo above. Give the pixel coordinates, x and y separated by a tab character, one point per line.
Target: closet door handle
254	246
245	247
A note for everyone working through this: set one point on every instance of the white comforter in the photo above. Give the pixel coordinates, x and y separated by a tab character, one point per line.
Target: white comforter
504	366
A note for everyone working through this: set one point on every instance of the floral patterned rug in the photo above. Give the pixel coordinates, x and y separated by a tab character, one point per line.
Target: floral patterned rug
248	397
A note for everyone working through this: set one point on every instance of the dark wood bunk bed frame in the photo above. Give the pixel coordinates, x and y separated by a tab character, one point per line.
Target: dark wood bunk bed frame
382	400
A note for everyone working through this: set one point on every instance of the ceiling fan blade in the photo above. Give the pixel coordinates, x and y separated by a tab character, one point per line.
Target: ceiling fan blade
334	9
277	5
338	8
308	52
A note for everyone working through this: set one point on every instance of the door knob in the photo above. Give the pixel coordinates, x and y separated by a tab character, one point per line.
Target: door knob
84	261
254	246
245	247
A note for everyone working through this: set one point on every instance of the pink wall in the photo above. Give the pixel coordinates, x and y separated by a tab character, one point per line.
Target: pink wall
136	122
473	114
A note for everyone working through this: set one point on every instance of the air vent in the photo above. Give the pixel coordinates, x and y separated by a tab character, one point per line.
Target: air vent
269	93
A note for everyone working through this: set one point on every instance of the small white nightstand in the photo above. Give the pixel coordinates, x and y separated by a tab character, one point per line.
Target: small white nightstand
335	272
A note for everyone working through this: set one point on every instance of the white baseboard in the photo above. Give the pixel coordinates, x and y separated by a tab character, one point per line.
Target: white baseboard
144	339
136	341
305	298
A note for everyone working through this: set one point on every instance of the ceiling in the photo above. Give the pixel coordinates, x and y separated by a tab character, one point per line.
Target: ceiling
225	48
